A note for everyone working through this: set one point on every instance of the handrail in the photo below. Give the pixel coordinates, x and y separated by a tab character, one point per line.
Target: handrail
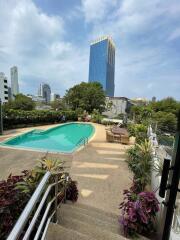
83	140
25	215
16	231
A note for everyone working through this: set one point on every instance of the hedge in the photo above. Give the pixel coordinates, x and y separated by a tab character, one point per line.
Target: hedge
21	118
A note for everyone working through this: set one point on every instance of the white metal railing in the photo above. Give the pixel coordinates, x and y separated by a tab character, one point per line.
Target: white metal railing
39	198
176	218
159	153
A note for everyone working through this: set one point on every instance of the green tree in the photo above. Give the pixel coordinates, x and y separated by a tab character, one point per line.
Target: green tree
166	121
141	114
58	104
21	102
169	105
87	96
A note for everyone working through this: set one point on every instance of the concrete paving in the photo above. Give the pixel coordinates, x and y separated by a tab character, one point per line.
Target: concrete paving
101	172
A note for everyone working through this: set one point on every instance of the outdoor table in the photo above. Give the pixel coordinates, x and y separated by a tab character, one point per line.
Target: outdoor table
119	131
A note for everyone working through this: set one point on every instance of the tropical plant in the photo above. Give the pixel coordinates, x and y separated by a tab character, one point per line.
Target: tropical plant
96	116
138	212
33	177
12	201
140	163
139	131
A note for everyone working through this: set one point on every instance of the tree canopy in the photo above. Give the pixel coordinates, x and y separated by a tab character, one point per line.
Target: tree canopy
58	104
163	113
21	102
87	96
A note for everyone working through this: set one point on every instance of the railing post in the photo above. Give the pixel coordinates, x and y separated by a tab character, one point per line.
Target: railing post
56	199
1	118
65	186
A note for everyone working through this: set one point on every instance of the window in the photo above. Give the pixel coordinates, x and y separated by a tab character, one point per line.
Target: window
5	81
5	92
6	98
5	86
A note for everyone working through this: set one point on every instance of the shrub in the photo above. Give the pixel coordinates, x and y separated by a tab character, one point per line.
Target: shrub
96	116
140	163
139	131
12	202
138	212
72	191
14	118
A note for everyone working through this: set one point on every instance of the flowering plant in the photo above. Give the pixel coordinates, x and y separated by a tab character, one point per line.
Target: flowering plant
138	212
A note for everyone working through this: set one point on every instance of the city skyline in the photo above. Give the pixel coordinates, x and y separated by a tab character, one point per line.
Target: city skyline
146	36
102	63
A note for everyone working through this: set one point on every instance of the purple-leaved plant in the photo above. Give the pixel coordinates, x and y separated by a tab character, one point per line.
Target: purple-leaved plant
138	212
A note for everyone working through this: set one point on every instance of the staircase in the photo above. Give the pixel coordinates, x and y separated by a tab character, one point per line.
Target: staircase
81	222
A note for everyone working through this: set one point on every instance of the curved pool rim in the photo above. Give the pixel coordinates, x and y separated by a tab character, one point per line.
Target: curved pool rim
77	148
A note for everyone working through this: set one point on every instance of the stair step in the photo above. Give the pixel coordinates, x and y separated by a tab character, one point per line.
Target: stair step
69	211
91	230
57	232
95	212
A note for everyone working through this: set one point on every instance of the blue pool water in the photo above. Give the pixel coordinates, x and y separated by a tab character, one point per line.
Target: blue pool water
64	138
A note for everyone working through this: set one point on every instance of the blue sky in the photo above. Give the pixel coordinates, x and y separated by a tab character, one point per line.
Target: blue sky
49	42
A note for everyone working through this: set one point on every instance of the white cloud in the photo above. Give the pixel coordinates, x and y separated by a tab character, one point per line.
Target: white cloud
34	41
40	45
96	10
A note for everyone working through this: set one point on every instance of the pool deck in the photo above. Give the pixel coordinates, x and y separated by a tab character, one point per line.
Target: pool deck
99	167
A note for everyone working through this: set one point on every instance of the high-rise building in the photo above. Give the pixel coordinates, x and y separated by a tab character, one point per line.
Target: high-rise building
3	88
14	81
45	92
102	64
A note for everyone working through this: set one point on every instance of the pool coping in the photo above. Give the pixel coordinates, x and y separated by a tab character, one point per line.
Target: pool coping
76	149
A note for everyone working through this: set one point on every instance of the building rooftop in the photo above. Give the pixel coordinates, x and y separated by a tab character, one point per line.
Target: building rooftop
103	38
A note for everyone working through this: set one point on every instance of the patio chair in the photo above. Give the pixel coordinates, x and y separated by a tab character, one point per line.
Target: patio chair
124	139
109	136
117	138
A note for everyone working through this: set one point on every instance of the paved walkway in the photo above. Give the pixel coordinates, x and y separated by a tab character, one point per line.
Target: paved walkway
99	168
101	172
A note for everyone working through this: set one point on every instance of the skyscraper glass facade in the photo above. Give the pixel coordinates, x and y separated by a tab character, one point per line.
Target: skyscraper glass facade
102	64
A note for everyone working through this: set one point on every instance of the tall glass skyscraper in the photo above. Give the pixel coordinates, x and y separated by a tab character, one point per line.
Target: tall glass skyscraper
14	81
102	64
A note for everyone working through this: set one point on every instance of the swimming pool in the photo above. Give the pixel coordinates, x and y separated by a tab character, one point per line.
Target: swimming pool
63	138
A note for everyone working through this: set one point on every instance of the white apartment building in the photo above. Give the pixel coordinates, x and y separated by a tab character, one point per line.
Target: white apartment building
3	88
14	81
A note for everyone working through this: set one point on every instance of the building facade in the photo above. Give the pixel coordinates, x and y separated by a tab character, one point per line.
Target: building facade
37	99
102	64
54	96
116	106
14	81
45	92
3	88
